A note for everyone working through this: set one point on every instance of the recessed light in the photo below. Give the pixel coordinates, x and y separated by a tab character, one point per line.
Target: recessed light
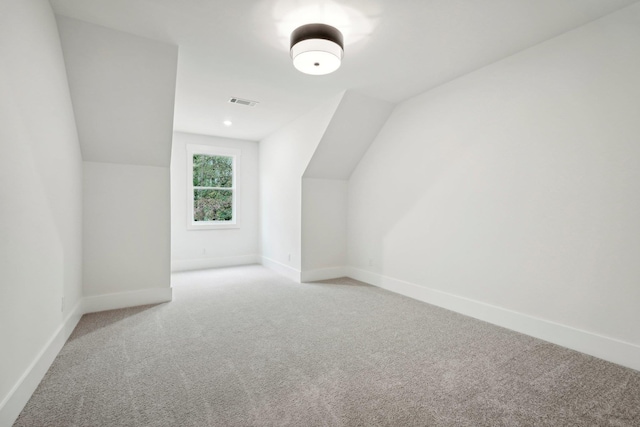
227	123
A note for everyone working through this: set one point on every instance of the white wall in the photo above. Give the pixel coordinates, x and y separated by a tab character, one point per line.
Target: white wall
516	186
123	90
284	156
126	228
196	249
40	201
352	128
324	228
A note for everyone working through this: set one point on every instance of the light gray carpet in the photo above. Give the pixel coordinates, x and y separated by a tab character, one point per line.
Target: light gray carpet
246	347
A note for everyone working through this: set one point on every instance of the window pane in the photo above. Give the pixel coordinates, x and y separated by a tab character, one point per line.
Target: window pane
212	171
212	205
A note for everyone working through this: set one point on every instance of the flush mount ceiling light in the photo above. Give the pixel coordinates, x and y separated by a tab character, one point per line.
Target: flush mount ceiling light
317	48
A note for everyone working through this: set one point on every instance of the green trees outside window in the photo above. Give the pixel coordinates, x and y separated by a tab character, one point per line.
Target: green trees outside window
212	188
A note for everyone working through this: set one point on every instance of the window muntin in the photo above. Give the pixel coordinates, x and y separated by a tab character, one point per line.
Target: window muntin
212	192
212	188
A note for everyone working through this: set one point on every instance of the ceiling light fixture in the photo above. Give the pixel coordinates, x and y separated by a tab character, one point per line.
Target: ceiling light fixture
317	48
227	123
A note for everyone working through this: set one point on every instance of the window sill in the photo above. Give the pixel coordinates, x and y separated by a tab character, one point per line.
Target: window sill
212	226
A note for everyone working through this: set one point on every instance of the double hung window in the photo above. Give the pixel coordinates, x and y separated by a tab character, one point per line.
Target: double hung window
212	192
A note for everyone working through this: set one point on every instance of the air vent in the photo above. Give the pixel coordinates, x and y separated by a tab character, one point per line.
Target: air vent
241	101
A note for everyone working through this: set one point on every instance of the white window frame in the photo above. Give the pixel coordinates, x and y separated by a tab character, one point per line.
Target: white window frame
208	150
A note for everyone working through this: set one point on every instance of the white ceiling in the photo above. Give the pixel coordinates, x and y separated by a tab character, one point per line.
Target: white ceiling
393	49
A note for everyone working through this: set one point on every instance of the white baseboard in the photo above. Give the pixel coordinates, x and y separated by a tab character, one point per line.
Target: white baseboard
92	304
20	394
178	265
323	274
280	268
607	348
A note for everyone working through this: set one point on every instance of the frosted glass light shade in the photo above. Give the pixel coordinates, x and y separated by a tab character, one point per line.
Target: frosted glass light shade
316	49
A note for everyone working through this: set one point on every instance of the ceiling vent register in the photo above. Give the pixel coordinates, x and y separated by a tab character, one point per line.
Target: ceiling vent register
241	101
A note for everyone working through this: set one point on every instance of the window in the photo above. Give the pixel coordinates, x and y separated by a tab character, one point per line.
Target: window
212	193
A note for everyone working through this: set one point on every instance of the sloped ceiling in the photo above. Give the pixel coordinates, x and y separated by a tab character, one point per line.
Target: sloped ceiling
122	89
394	49
353	127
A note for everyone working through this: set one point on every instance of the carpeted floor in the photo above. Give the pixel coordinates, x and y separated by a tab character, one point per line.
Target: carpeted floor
246	347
